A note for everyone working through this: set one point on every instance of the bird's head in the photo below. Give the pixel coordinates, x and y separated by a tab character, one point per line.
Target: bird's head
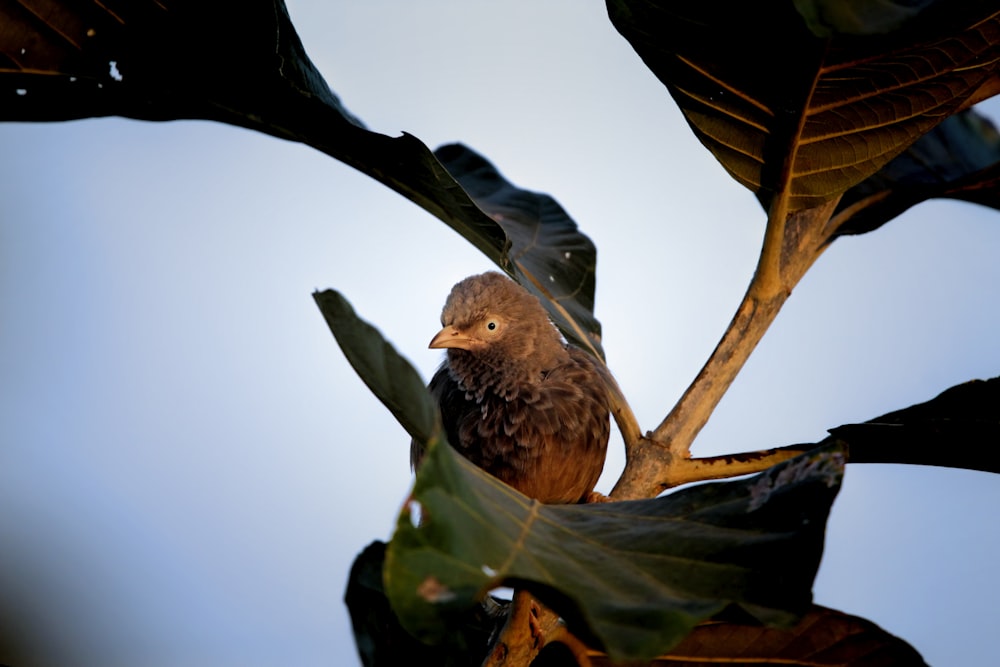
491	316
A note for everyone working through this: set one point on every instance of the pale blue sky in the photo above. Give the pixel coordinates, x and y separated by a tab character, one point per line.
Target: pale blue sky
188	465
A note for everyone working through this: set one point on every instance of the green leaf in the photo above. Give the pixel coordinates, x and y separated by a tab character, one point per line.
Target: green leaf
960	159
960	428
156	61
637	576
822	637
179	59
548	253
183	59
794	115
390	377
382	641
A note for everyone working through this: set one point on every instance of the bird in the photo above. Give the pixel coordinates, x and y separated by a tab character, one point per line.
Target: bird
515	398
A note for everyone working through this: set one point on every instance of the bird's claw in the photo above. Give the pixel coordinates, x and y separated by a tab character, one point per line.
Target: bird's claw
597	497
535	625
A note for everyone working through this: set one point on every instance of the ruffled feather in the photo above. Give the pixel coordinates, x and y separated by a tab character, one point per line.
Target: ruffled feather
527	408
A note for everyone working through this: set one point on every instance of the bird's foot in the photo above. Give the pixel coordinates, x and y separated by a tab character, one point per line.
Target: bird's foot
597	497
535	625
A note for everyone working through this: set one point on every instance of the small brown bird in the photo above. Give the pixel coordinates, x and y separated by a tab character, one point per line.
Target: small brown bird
515	399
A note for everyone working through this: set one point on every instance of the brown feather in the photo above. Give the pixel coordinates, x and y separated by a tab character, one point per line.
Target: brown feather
515	399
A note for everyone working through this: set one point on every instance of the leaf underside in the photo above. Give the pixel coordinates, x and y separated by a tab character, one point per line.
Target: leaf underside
822	638
787	112
959	159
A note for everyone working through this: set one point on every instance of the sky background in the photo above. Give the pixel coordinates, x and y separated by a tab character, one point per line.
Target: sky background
188	466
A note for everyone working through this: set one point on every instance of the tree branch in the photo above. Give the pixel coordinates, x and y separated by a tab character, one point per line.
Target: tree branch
730	465
792	243
529	628
621	410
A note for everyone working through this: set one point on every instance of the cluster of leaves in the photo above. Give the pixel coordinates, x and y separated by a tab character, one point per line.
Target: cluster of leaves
865	110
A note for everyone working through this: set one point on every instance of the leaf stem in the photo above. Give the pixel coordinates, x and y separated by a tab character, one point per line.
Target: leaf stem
766	282
792	243
652	461
730	465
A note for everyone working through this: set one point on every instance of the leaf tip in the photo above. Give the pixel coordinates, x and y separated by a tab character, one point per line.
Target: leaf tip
826	467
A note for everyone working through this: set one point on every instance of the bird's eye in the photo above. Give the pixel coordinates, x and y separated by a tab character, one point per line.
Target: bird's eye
491	326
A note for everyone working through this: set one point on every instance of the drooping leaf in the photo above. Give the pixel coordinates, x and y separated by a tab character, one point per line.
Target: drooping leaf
548	253
822	638
390	377
634	576
175	59
960	159
960	428
788	112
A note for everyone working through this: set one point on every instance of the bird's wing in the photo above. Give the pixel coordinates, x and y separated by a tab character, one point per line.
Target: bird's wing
576	396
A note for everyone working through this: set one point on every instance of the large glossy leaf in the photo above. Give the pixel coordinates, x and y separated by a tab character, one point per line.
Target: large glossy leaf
959	428
823	637
235	62
634	576
224	60
960	159
550	256
186	59
789	112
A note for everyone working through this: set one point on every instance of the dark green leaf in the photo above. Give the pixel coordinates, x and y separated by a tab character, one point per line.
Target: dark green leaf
184	59
858	17
390	377
787	112
821	637
548	254
960	428
635	576
960	158
157	61
381	640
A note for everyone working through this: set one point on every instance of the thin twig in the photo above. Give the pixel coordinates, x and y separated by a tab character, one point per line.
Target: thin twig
686	471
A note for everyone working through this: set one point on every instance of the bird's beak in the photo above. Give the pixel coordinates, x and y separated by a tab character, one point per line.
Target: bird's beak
451	337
